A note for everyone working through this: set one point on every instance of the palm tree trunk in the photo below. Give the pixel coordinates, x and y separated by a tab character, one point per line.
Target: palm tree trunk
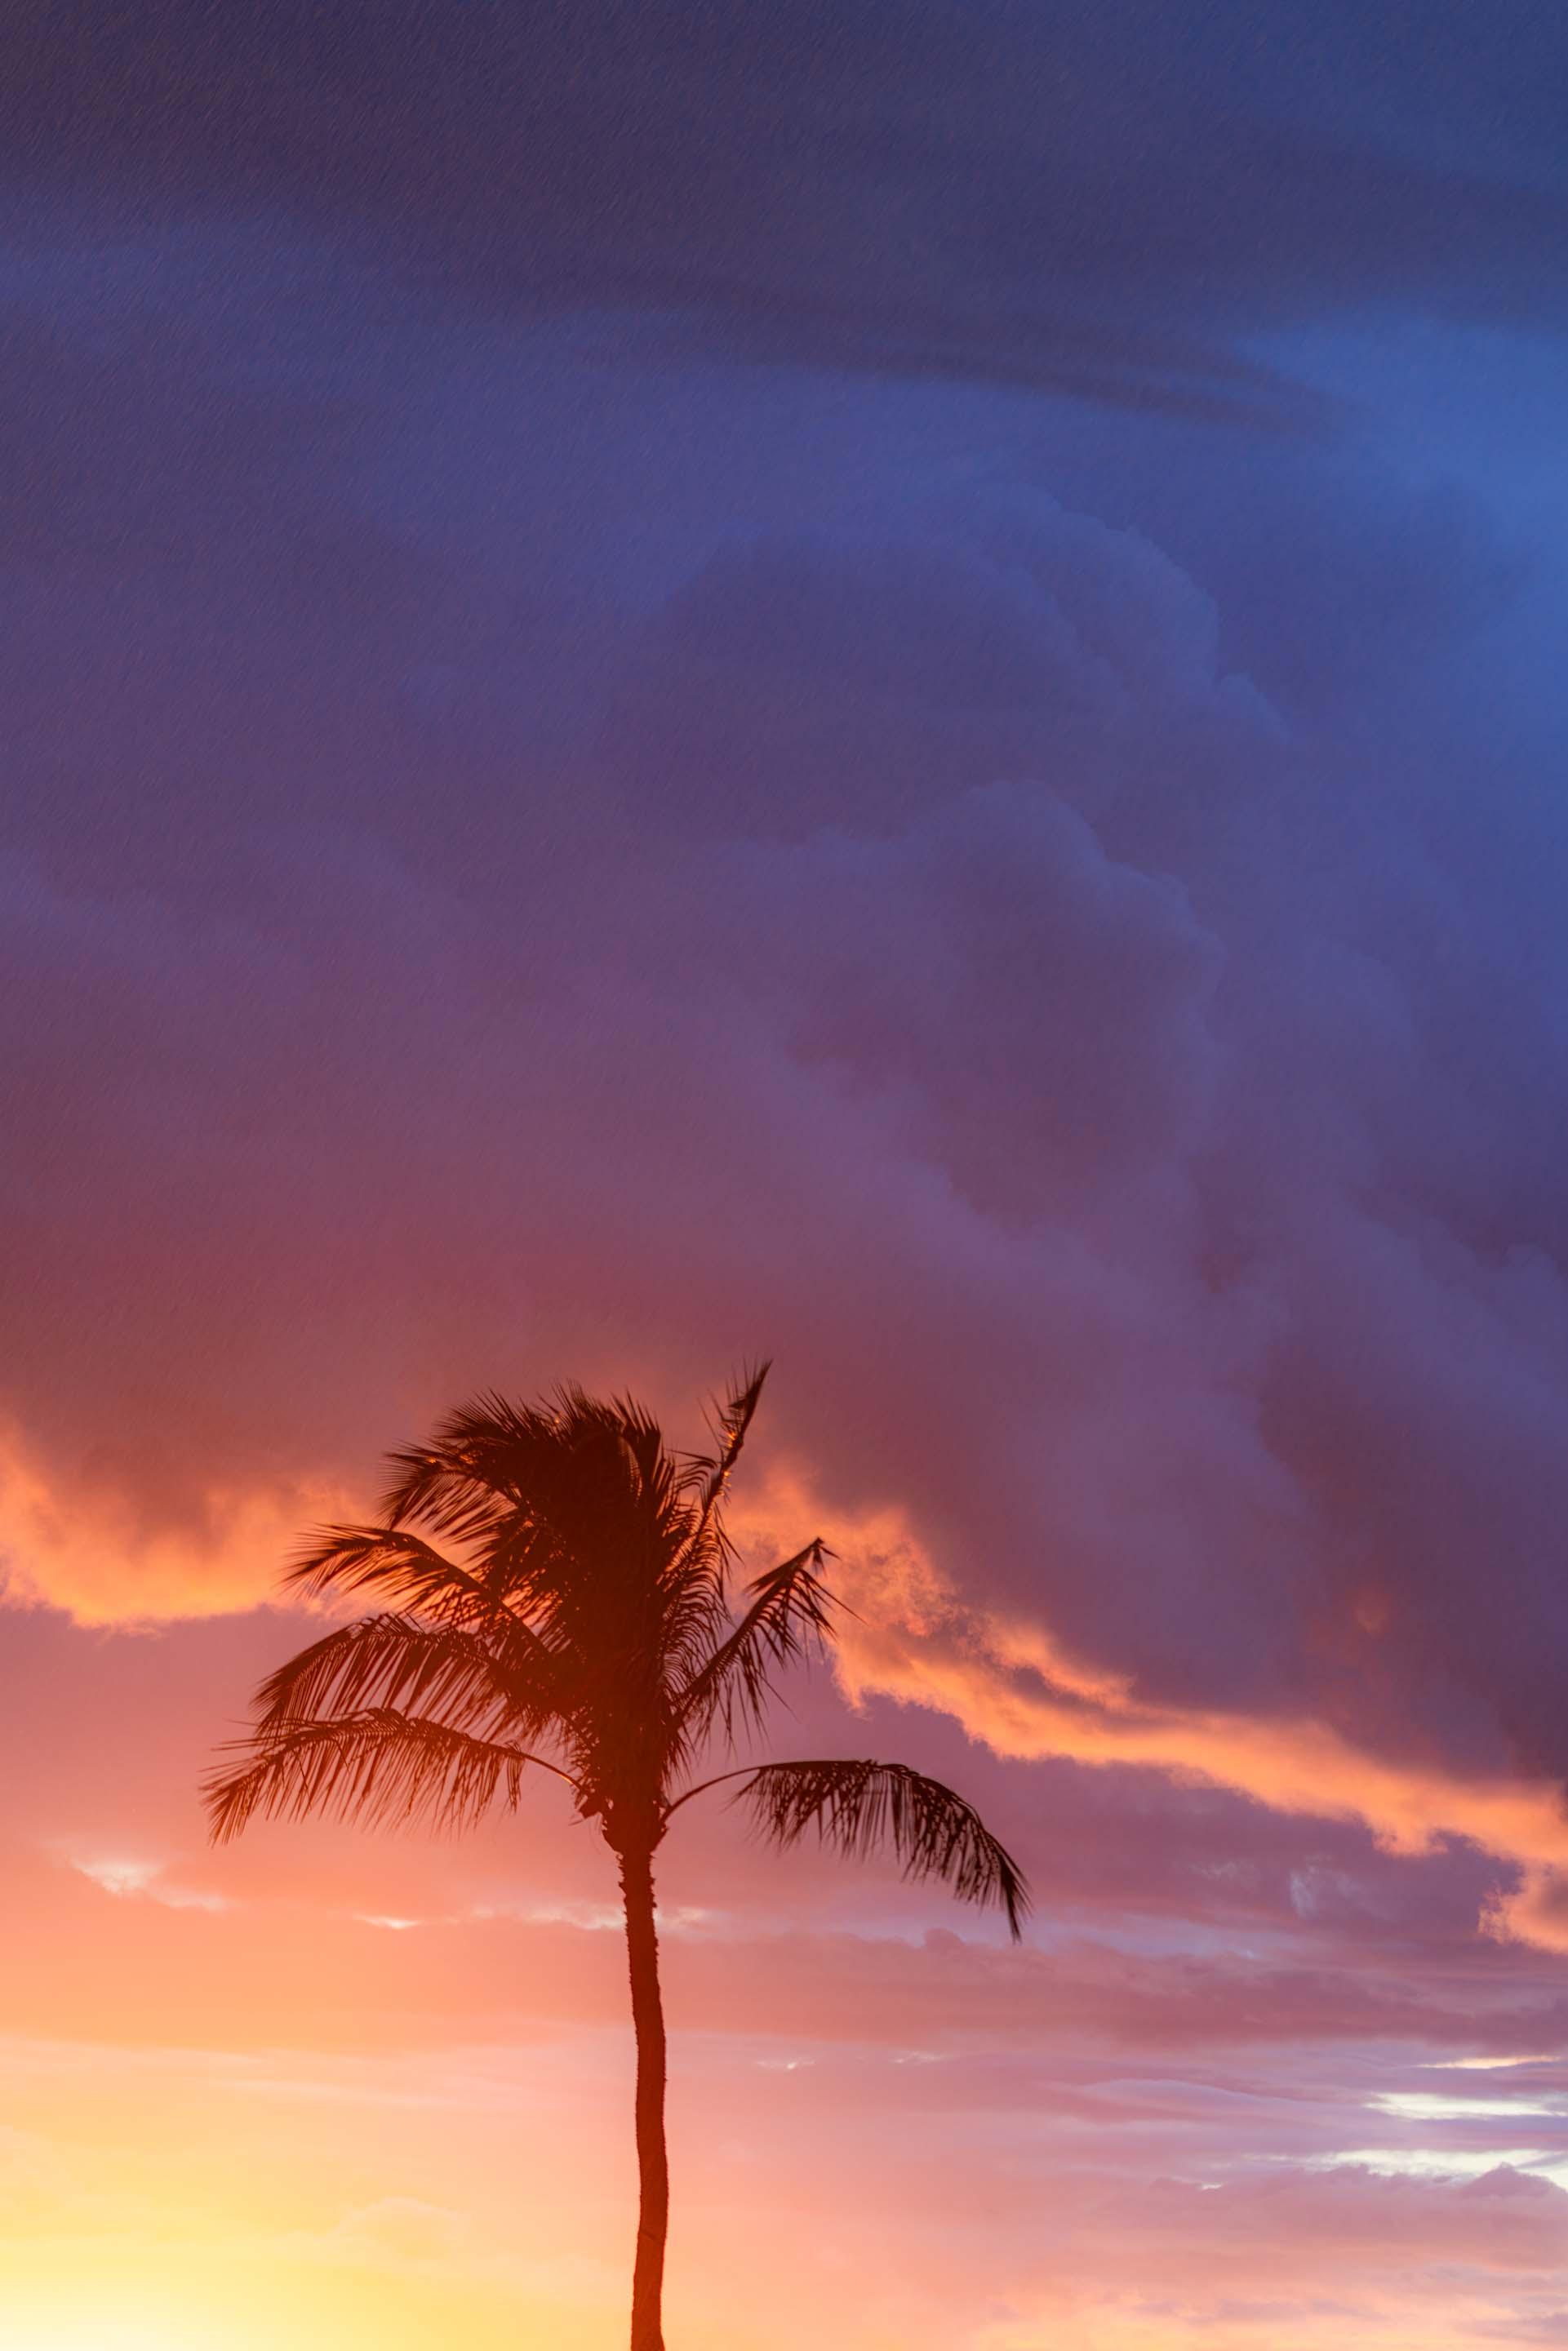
653	2159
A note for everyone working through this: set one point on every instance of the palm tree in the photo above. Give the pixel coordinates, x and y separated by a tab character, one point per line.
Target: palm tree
577	1621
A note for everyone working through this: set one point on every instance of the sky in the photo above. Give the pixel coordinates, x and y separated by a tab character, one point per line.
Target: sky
876	683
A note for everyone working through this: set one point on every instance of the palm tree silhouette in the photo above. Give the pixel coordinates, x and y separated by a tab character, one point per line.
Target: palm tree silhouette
582	1624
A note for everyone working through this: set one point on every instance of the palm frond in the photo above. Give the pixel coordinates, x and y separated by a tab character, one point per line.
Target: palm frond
552	1496
640	1438
789	1619
378	1765
696	1616
858	1807
502	1681
398	1566
467	1479
732	1422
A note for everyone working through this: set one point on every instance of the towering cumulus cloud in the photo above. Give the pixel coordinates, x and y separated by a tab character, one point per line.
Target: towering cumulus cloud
1122	1100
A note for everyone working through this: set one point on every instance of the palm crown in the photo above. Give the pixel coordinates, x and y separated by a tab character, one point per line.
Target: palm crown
557	1593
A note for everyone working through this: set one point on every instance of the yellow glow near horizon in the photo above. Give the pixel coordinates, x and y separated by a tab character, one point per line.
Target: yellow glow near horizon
107	2334
188	2293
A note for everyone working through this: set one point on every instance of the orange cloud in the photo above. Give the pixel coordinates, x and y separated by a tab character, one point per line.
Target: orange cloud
1012	1686
86	1550
1004	1677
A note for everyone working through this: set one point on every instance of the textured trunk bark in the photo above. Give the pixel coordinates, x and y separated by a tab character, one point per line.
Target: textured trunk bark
652	2159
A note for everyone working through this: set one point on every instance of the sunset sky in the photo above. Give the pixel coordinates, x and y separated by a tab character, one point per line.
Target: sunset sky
873	682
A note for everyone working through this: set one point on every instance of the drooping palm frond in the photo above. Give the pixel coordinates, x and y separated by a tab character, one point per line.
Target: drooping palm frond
789	1619
501	1682
856	1807
378	1765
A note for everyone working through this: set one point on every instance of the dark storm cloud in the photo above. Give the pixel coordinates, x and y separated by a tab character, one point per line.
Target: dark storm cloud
913	943
1095	199
511	826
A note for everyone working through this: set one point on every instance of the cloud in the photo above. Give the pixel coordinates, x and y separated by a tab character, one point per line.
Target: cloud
1090	202
124	1878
